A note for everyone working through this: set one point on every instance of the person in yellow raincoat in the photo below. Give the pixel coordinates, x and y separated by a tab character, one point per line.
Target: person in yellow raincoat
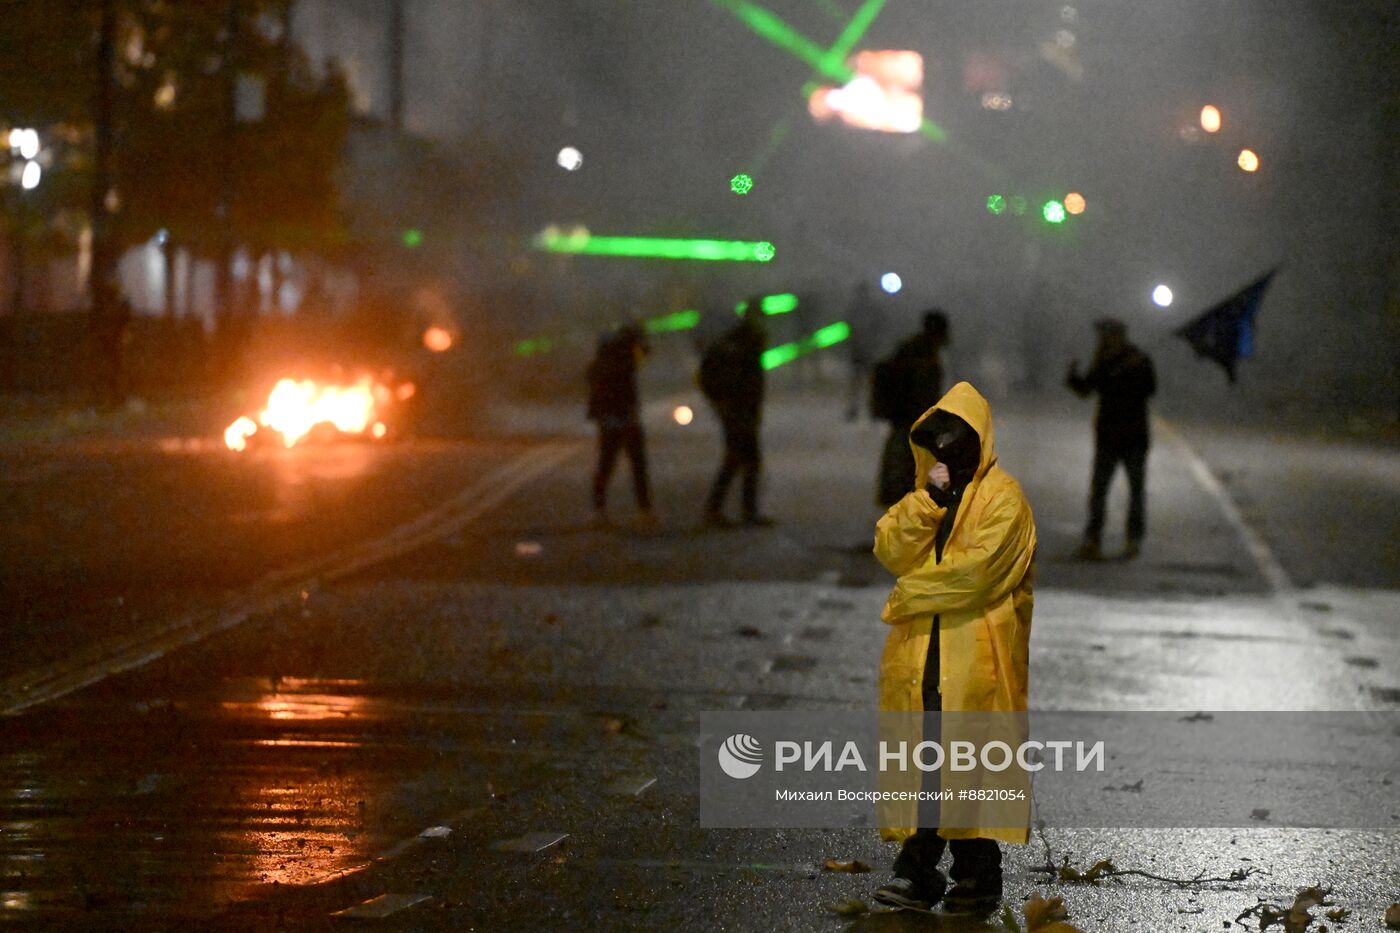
962	544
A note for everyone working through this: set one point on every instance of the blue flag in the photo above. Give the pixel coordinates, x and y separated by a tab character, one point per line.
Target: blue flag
1225	332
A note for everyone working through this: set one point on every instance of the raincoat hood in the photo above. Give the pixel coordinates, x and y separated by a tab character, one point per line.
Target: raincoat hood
969	405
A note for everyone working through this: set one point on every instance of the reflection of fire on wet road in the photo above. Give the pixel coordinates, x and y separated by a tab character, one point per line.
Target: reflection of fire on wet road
296	409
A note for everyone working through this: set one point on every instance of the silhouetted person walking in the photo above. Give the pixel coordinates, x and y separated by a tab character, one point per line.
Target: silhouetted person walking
905	385
612	402
731	376
1123	377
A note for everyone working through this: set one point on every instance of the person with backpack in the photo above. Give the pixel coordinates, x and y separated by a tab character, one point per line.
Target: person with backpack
731	377
612	403
903	386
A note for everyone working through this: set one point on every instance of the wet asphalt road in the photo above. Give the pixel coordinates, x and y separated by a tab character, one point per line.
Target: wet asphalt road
527	682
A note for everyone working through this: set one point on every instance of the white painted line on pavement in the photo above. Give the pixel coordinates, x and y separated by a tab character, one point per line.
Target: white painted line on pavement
119	655
1269	567
385	905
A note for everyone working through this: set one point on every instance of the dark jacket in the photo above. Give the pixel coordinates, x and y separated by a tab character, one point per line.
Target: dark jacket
731	373
909	382
1124	381
612	381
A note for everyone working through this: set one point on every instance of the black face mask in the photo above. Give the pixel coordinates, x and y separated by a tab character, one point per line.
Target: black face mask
954	442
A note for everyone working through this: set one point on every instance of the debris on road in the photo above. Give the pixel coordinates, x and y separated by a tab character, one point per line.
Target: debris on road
1294	919
853	867
1045	916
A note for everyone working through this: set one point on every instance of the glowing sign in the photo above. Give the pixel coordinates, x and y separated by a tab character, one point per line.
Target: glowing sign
884	94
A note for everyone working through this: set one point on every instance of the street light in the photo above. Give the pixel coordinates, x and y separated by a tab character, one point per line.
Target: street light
891	282
1161	296
1210	118
1248	160
30	179
570	159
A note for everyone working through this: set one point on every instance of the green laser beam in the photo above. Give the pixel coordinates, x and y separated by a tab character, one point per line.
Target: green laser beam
771	304
854	31
657	247
779	304
770	26
667	323
533	346
785	353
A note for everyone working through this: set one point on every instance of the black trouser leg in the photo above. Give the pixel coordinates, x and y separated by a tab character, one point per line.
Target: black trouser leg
1135	462
1105	462
976	860
636	445
751	462
610	441
727	468
918	858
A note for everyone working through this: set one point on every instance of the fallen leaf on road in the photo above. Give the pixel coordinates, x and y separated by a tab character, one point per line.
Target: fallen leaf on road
1294	919
1392	916
1008	919
1048	916
1091	875
853	867
851	908
1338	914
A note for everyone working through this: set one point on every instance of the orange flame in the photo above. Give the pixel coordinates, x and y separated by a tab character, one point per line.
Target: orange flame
296	407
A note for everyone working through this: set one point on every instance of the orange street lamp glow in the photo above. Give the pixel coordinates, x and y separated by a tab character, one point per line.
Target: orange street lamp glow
1074	203
1249	160
437	339
1210	118
683	414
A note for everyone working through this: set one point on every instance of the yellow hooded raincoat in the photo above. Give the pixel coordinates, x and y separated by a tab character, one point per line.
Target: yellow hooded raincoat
980	593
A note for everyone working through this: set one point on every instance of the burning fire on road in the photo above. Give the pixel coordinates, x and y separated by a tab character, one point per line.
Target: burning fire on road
298	409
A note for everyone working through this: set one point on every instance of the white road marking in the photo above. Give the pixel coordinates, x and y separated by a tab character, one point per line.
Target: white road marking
118	655
1269	567
385	905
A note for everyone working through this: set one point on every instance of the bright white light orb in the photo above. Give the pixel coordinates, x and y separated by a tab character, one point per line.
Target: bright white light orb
891	282
1161	296
29	144
570	159
30	179
683	414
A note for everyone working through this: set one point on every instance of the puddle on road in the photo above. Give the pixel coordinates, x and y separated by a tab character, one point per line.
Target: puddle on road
204	802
